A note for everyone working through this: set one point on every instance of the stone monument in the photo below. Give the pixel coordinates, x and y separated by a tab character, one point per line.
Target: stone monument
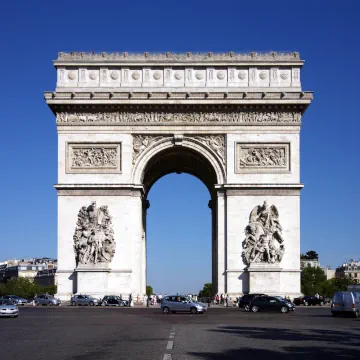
125	120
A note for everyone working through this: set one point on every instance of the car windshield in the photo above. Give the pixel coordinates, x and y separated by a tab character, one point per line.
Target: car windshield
6	302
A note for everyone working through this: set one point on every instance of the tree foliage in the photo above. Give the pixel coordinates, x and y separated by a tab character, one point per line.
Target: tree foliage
206	291
310	255
313	280
25	288
149	290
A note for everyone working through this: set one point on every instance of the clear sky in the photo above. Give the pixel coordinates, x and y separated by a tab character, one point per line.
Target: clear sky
326	33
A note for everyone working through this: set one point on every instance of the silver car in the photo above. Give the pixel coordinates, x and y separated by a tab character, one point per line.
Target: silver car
46	300
17	300
84	300
180	303
8	309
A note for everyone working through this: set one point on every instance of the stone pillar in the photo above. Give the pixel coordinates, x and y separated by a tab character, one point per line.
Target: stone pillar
221	241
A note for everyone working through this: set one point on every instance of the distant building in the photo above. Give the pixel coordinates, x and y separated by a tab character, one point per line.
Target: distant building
329	273
46	277
26	268
350	269
309	263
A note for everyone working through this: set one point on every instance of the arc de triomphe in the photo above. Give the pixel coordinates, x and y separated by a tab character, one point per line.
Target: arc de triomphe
125	120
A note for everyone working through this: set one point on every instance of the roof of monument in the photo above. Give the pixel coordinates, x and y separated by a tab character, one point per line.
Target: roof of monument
189	57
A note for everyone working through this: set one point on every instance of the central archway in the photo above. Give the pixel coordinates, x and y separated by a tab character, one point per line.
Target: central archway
191	156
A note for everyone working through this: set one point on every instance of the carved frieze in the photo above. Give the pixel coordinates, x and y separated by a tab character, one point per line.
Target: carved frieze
264	241
254	157
142	142
93	157
94	236
257	117
215	143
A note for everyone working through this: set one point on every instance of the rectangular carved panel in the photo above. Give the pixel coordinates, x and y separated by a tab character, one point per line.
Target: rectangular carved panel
93	158
262	157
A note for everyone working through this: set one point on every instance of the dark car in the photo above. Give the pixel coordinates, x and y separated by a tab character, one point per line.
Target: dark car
269	303
247	299
310	300
113	300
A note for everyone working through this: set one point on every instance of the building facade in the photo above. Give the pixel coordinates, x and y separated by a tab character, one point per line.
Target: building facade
350	269
125	120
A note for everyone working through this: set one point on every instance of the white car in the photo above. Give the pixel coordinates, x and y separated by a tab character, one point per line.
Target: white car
8	309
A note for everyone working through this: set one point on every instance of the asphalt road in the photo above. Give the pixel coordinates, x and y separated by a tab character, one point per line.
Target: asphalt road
140	333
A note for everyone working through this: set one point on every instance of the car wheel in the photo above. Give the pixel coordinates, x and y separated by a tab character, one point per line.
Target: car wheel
73	303
254	309
284	309
193	310
36	303
51	304
306	303
103	304
321	303
166	310
91	303
247	307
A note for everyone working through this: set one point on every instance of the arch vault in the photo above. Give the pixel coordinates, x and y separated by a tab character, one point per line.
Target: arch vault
124	121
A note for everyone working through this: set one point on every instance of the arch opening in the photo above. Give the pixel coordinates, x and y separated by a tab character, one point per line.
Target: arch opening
181	159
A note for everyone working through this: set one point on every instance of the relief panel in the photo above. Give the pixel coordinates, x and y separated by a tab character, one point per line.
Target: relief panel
93	158
262	157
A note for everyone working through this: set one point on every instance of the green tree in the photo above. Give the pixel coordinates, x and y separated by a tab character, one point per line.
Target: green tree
310	255
149	290
331	286
312	280
206	291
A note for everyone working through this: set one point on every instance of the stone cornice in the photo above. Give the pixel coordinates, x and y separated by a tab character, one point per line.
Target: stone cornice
145	97
168	57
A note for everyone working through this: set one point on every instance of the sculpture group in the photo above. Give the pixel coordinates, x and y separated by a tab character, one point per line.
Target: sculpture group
94	237
264	241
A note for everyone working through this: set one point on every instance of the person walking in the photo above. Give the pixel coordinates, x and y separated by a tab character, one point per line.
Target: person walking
217	299
130	299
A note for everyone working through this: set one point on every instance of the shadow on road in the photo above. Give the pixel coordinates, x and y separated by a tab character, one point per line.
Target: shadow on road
289	344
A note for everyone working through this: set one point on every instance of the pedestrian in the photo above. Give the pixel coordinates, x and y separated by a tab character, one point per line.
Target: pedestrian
222	298
217	299
130	299
145	298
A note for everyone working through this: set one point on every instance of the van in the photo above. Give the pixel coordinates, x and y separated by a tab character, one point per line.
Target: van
346	302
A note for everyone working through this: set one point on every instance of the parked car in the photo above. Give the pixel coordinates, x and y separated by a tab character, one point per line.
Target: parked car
270	303
247	299
180	303
84	300
8	308
46	300
346	302
310	300
17	300
113	300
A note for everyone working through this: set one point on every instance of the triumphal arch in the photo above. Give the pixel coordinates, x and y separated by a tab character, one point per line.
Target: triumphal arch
125	120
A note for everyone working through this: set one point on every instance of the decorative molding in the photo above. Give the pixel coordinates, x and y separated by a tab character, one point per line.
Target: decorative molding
168	56
264	157
94	236
215	143
264	241
240	117
93	157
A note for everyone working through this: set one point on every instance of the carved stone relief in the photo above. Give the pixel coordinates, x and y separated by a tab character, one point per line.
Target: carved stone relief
94	236
142	142
93	157
264	241
214	142
264	157
179	117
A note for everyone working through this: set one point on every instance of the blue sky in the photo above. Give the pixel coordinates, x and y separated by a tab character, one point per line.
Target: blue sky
327	37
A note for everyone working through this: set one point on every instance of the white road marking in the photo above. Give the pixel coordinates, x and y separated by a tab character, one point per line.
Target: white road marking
170	345
167	357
